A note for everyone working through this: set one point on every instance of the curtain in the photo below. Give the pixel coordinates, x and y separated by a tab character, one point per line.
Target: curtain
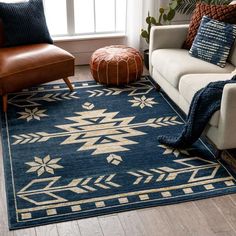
137	11
134	22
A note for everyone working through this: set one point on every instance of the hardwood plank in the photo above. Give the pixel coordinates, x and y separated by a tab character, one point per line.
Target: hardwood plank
187	219
132	224
82	73
25	232
3	209
214	217
69	228
3	213
154	222
90	227
111	226
228	208
49	230
172	226
233	197
224	234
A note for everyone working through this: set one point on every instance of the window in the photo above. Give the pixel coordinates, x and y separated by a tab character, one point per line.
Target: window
85	17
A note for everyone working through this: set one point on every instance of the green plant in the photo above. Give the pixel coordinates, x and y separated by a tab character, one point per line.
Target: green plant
166	15
187	6
150	20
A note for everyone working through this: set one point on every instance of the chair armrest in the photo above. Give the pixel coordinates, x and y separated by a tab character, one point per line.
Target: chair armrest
227	122
166	36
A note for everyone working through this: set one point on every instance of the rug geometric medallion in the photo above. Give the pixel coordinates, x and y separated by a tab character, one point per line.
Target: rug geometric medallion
95	151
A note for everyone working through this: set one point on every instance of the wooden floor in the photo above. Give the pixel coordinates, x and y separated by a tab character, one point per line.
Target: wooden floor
215	216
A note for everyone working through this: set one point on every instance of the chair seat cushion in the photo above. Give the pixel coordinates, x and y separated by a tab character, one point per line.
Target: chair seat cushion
24	66
172	64
190	84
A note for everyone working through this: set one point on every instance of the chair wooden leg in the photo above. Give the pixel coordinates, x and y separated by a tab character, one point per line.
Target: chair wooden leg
67	81
4	103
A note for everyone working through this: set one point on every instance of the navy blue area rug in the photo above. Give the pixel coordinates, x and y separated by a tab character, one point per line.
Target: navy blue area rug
95	151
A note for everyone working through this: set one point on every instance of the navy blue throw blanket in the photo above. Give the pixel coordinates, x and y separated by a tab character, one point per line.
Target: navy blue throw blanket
204	103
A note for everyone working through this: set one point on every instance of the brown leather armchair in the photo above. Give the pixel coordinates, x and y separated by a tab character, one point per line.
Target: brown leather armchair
25	66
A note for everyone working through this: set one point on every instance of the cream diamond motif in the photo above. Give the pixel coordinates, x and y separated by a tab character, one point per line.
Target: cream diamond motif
88	106
114	159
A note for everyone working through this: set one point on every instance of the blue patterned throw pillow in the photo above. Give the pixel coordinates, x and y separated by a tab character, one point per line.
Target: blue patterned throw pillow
24	23
213	41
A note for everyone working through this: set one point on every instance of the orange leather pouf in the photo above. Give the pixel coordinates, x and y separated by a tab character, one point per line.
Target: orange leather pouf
116	65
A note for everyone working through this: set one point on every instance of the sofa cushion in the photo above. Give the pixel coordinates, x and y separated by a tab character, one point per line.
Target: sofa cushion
213	41
190	84
225	13
232	55
172	64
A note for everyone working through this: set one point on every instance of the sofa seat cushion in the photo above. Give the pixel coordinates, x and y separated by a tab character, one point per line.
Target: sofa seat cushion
172	64
190	84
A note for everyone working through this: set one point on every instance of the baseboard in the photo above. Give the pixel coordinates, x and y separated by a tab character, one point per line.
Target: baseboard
82	58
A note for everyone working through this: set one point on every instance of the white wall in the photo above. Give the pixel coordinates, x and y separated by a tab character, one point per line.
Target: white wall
181	19
82	49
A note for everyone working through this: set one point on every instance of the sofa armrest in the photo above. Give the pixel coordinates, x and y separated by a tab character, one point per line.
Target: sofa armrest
227	122
166	36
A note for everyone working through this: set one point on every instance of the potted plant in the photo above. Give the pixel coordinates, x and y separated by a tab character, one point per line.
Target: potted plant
150	20
166	15
187	6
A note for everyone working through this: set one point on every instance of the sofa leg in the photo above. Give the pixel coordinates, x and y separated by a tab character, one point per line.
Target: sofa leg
67	81
219	154
4	103
157	87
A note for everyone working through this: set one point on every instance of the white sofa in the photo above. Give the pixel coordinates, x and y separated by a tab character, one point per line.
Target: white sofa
181	76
